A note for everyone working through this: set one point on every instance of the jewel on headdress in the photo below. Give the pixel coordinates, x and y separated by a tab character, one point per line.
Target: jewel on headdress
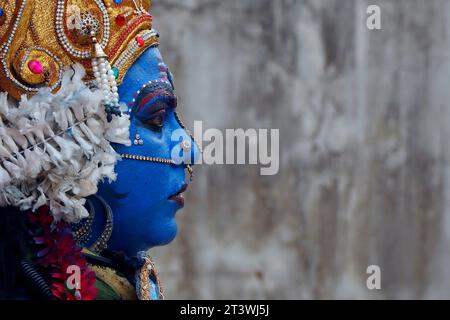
116	72
89	24
140	41
35	66
120	19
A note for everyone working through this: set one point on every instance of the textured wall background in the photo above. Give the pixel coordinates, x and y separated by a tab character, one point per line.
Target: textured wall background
365	130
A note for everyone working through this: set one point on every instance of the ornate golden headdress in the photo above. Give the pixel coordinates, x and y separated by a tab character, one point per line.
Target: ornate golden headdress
40	38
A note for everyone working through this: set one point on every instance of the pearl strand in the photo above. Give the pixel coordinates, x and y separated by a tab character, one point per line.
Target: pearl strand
105	81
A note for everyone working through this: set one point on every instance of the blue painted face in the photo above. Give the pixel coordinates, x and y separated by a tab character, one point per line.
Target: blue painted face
144	212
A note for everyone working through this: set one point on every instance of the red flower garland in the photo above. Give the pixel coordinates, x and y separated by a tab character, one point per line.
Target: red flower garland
57	251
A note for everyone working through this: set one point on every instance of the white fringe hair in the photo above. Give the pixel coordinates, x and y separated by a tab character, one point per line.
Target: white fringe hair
55	148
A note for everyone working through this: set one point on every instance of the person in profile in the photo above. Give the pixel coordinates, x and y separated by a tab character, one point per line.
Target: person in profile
88	182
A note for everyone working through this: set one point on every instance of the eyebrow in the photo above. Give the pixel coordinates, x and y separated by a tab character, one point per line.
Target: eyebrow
155	93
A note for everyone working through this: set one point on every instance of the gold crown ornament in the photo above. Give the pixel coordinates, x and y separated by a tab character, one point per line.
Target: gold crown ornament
41	38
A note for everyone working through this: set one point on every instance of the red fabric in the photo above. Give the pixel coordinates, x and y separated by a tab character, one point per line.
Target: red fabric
56	251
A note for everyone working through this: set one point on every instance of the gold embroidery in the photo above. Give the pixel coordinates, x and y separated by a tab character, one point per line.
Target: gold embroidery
120	285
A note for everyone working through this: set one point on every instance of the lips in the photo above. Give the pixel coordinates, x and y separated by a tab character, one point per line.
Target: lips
178	197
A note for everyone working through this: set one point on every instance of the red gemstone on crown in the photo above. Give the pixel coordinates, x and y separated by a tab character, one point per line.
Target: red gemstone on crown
120	19
140	41
35	66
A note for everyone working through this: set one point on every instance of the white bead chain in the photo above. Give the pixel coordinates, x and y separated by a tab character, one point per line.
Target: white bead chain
105	80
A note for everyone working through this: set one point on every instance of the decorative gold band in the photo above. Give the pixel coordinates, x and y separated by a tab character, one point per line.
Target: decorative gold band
149	159
157	160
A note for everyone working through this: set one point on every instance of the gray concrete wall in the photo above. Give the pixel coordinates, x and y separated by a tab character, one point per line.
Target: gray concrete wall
365	130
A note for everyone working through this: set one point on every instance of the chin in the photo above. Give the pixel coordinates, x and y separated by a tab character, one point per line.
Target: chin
170	235
164	234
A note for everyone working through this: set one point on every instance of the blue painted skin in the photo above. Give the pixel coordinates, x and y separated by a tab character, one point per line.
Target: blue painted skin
144	217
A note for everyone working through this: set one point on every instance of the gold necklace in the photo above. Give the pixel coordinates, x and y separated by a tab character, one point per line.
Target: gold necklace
102	242
148	270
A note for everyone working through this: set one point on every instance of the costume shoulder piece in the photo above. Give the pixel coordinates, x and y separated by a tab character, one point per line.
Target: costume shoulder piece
60	64
114	282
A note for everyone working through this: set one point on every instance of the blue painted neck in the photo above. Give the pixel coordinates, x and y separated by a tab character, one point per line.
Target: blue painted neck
98	226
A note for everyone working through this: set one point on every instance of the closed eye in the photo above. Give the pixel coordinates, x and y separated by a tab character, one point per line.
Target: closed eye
153	103
156	121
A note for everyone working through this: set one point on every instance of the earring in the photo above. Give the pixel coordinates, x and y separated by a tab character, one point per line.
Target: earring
138	141
102	242
82	230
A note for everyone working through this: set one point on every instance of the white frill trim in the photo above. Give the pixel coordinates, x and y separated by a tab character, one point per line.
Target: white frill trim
55	148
